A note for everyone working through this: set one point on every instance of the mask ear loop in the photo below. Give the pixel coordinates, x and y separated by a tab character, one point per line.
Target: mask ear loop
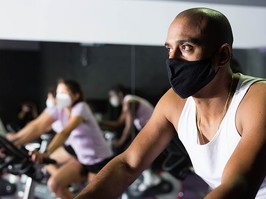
217	70
218	50
211	59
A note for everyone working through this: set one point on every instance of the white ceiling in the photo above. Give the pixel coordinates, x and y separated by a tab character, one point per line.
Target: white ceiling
137	22
230	2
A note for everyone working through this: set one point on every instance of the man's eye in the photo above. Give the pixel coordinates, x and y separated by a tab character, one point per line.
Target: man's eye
186	47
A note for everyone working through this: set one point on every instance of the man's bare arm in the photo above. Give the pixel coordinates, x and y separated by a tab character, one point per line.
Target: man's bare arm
117	175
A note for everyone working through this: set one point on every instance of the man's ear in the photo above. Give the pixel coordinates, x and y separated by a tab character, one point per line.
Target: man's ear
225	53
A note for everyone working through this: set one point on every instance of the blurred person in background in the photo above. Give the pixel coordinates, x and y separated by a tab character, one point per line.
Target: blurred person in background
78	147
135	112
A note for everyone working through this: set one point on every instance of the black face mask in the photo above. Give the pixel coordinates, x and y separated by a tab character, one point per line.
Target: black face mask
188	77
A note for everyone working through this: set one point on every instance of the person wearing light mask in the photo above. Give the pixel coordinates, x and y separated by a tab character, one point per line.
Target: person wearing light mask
219	116
51	98
78	147
135	113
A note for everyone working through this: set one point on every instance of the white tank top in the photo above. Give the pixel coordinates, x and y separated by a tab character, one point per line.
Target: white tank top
210	159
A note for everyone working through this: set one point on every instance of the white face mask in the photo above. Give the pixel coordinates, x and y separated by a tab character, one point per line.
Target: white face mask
49	103
114	101
63	100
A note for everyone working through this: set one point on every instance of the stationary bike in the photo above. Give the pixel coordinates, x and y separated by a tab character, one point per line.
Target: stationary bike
17	161
173	165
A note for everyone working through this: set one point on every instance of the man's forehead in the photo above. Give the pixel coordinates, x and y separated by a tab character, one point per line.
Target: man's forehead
184	30
183	34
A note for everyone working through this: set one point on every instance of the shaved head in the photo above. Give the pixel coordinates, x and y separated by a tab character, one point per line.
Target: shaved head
212	24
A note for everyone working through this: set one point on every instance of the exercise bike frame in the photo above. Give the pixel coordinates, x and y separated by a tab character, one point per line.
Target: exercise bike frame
17	161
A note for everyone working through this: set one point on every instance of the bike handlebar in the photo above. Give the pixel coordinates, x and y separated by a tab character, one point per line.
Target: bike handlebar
17	161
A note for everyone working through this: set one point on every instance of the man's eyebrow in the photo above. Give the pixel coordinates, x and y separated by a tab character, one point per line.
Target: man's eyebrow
181	41
191	40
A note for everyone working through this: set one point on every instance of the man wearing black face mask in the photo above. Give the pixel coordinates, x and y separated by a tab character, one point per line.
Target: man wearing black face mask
210	108
188	77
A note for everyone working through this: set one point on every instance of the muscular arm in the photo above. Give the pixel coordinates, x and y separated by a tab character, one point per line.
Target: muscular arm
116	176
245	169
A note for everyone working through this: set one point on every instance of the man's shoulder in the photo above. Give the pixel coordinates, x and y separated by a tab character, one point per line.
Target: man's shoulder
171	105
171	97
246	79
253	85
